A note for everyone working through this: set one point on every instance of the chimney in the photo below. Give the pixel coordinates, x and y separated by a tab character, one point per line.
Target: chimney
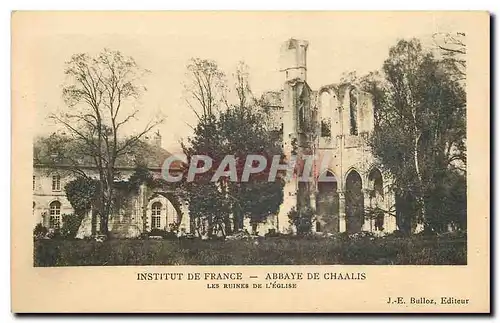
154	139
157	139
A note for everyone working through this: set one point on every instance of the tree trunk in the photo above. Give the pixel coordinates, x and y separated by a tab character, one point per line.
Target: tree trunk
236	225
227	225
220	228
192	225
254	228
197	226
107	193
104	225
210	227
420	198
93	224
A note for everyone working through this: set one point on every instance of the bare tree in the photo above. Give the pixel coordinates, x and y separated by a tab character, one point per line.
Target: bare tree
452	49
99	94
242	85
206	87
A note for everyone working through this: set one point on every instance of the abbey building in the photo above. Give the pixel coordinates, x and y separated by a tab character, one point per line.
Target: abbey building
340	118
332	123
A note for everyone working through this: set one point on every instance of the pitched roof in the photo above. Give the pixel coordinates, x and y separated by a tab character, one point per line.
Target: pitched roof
57	151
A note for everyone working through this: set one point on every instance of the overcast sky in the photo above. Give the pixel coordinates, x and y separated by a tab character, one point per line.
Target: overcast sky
164	42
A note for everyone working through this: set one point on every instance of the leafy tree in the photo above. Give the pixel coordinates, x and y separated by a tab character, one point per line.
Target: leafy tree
452	51
420	133
100	94
225	129
206	87
244	135
141	175
242	86
206	201
81	194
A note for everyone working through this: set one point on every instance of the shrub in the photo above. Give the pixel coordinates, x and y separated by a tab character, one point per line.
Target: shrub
70	225
156	233
46	253
39	232
272	233
170	235
174	227
283	250
395	234
362	235
54	234
302	220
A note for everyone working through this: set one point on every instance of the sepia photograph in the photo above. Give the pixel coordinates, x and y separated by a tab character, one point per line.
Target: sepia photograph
344	160
278	152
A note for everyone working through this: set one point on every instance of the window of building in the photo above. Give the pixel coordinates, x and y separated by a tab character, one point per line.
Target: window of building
353	107
55	215
156	215
56	183
326	128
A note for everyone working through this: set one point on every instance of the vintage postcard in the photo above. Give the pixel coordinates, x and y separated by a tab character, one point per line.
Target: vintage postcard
333	162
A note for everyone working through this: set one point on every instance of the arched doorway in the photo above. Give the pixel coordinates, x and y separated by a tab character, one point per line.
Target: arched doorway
354	202
376	185
327	205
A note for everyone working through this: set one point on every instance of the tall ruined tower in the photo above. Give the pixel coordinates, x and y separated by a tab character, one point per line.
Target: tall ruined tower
297	122
331	126
296	93
294	59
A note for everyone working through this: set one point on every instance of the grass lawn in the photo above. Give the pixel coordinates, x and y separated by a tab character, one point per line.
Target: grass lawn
268	251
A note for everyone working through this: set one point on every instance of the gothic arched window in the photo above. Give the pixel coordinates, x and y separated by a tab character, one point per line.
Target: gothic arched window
353	109
326	114
377	197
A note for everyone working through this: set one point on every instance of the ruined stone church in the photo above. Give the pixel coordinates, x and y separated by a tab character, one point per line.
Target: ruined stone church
332	123
340	117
